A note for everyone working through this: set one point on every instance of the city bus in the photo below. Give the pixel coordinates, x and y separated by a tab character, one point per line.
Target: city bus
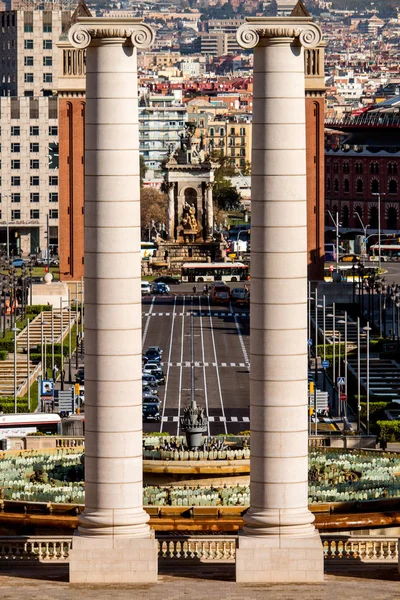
217	271
147	250
389	251
21	424
349	272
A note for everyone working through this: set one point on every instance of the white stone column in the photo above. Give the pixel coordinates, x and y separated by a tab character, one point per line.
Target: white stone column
114	542
279	541
209	210
171	211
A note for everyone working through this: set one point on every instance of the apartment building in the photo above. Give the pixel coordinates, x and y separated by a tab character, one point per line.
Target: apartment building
29	173
161	121
29	57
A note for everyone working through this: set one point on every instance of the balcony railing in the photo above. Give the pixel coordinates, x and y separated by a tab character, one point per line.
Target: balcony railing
219	548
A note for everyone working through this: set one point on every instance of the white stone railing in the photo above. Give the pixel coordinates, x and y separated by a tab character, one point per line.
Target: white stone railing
218	548
37	549
360	548
204	548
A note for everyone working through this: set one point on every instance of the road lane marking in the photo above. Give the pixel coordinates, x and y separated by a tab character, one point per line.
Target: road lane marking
241	342
204	369
169	365
181	367
146	327
216	365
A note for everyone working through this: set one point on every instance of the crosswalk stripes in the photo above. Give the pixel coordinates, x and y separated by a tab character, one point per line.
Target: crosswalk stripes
196	314
174	419
200	364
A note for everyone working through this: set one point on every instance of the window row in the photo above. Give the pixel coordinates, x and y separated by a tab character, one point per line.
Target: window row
47	44
28	28
34	214
47	78
33	130
34	180
374	168
47	61
392	186
34	197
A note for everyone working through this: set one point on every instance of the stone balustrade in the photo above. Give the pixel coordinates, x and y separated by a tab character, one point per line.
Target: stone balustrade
23	550
215	548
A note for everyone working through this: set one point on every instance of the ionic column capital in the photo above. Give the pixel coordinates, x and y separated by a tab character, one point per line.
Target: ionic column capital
91	29
302	29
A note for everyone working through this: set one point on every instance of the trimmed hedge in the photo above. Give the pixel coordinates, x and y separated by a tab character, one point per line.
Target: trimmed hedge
7	345
36	309
7	406
389	430
376	410
37	357
3	354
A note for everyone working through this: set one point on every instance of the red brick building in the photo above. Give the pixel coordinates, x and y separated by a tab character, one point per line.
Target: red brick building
362	169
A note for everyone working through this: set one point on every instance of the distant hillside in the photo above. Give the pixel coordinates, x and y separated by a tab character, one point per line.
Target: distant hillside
385	7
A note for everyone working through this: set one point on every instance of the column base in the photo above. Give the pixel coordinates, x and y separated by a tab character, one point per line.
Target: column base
113	560
279	559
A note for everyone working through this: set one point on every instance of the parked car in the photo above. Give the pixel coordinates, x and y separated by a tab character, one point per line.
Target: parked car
154	353
151	411
240	296
156	371
149	380
18	263
80	375
160	288
167	279
146	288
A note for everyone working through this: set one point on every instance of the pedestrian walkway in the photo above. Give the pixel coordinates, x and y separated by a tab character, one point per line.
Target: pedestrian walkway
53	325
384	377
198	581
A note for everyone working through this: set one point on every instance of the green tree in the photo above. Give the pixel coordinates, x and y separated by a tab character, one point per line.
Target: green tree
153	207
226	196
143	169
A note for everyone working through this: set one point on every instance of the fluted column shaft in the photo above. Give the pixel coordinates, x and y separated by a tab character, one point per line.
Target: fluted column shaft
278	335
113	361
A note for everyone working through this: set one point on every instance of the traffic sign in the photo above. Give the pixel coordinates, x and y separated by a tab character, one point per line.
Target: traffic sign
325	364
341	380
309	342
343	397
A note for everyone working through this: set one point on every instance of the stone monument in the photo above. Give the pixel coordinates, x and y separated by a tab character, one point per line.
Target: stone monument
189	179
114	543
279	542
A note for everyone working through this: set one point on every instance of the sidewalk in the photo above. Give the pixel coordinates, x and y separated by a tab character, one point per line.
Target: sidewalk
198	581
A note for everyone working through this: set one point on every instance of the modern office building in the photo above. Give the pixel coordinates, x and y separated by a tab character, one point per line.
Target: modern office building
29	57
29	66
29	173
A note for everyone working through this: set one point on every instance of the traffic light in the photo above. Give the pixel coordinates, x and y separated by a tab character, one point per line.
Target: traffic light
311	387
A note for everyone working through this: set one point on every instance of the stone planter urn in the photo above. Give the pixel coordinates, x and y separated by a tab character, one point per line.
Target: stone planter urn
194	424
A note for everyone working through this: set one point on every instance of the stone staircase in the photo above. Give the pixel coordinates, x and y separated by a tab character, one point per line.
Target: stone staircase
7	375
59	327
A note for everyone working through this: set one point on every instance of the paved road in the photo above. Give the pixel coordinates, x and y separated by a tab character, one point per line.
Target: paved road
206	356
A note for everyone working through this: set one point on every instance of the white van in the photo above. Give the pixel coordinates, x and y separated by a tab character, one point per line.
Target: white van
146	288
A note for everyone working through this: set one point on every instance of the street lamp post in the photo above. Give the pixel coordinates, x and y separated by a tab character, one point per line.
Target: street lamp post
69	337
15	330
324	336
358	377
344	321
367	329
28	364
379	228
365	227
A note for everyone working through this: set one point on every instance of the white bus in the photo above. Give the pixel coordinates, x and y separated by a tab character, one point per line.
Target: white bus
14	425
217	271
